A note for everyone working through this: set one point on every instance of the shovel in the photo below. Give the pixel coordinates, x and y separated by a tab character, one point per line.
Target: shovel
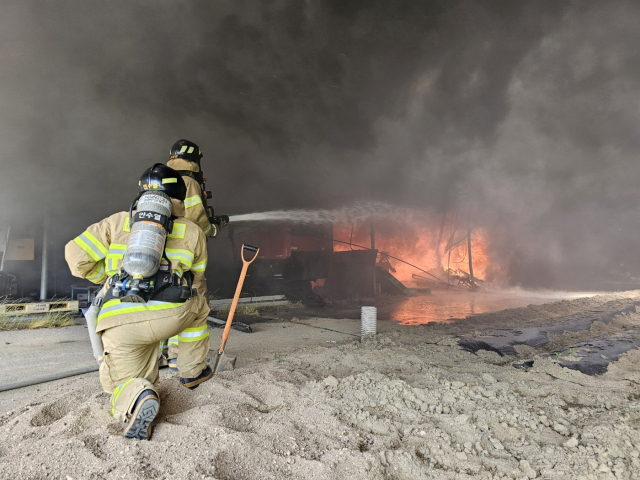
221	364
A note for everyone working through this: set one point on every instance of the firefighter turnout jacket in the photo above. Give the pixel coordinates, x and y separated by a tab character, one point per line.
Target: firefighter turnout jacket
194	208
98	252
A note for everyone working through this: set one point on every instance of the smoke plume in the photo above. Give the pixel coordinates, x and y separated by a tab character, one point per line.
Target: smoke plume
530	107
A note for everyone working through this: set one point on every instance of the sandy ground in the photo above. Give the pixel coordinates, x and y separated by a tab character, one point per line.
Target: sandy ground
407	404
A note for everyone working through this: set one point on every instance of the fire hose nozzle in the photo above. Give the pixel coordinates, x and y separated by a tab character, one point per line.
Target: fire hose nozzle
221	220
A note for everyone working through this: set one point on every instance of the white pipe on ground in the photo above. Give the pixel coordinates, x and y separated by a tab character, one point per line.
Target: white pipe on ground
368	321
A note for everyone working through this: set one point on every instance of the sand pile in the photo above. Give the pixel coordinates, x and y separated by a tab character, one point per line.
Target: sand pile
405	405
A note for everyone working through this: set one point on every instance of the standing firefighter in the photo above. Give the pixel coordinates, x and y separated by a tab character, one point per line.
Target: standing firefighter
151	260
185	159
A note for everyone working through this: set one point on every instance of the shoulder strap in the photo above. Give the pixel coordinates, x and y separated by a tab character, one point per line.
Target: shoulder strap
187	173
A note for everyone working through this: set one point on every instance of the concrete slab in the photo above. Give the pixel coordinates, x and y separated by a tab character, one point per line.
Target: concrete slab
31	353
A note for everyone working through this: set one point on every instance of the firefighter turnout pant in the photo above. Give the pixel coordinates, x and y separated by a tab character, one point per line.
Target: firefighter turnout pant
130	361
173	347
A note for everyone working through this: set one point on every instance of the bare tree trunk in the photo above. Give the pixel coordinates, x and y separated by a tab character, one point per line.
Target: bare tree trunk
373	247
438	252
454	227
473	283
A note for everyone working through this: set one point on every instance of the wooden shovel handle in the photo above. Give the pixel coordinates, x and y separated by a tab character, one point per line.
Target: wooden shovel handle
236	297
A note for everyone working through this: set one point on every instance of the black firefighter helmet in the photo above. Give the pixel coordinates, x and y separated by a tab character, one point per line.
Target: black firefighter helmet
161	178
187	150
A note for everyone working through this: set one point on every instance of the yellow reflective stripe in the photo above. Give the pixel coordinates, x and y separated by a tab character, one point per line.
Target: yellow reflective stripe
125	227
173	340
179	255
91	245
112	262
95	242
96	277
194	334
180	251
192	201
117	248
200	266
194	339
195	329
183	149
178	231
87	249
190	150
116	252
169	180
115	307
117	392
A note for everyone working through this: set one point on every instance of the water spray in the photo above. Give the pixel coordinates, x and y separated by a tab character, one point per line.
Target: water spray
359	212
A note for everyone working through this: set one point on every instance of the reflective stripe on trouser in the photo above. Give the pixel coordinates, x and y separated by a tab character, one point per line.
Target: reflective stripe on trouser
125	395
188	335
131	352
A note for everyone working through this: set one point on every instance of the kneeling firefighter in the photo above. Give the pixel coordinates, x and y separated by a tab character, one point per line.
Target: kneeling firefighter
151	261
185	157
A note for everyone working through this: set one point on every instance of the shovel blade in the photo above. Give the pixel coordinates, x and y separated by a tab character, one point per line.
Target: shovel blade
224	363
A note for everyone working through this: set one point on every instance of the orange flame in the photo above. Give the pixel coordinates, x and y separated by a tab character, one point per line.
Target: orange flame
418	246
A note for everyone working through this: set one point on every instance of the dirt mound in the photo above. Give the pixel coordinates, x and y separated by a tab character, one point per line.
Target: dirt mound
404	405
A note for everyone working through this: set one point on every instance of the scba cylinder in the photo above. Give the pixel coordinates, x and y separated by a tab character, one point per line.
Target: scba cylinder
146	242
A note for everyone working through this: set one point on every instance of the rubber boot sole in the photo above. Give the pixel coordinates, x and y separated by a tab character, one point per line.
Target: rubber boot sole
140	424
198	381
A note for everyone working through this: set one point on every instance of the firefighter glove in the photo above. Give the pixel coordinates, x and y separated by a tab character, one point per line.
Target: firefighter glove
221	220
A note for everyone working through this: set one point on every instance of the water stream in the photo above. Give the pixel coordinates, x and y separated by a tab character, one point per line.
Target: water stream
356	213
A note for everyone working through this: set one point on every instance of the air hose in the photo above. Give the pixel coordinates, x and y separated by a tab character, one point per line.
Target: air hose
48	378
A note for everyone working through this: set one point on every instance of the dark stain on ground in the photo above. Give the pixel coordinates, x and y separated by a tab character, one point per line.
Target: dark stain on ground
592	356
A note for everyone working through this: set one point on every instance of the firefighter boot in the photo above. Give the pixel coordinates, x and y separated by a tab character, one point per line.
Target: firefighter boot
163	362
144	411
172	353
163	351
173	364
192	383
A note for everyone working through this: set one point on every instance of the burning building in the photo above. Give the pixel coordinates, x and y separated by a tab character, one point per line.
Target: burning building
406	253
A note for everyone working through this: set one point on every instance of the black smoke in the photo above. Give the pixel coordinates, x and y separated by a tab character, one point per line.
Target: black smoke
530	106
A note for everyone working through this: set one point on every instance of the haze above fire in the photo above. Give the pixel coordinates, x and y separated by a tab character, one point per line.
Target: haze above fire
530	107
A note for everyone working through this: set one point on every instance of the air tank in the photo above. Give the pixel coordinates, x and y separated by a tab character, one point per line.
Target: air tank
146	242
